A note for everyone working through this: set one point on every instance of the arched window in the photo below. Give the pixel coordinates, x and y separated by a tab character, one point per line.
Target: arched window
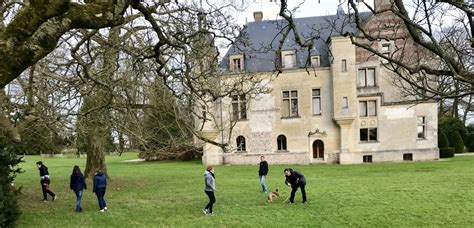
241	143
318	149
281	141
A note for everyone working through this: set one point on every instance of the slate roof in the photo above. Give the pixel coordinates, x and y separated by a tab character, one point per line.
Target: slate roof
262	40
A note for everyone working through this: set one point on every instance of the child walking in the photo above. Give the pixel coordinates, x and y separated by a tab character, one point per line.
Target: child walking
45	181
78	184
100	185
209	188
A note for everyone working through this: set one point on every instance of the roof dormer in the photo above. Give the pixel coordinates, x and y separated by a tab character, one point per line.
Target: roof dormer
236	63
288	59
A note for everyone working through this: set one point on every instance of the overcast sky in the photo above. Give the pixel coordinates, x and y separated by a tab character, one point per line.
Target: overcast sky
307	8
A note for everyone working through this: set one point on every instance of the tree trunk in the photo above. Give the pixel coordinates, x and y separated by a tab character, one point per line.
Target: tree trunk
455	108
95	150
467	110
30	88
99	120
121	142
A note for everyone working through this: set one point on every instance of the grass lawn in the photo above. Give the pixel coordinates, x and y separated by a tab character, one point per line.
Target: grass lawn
438	193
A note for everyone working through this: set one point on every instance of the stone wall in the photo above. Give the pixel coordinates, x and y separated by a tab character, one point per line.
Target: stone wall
273	158
390	155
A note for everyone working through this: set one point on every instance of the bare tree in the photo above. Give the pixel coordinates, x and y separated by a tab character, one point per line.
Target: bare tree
29	30
432	41
103	68
431	45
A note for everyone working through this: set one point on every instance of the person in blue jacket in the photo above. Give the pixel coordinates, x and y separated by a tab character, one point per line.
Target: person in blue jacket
78	184
100	185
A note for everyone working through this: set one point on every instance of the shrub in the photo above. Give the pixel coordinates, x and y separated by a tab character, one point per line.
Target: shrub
442	139
470	142
183	153
450	125
458	144
446	152
470	128
9	210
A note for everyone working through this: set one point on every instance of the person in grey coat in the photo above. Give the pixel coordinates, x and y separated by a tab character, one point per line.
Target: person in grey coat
209	188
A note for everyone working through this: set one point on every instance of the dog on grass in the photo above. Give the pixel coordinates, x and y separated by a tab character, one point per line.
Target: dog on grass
272	195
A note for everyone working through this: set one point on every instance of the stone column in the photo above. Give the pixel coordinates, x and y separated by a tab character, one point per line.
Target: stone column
212	155
345	157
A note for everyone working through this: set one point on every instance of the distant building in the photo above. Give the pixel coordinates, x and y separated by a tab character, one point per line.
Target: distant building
349	113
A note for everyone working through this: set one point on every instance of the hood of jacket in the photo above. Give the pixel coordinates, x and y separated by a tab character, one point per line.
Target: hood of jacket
77	174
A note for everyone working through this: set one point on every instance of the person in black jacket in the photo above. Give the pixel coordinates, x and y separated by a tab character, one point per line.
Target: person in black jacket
45	181
100	185
262	173
295	179
78	184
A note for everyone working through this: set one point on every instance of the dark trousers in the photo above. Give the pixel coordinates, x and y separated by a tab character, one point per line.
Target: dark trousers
212	200
45	188
100	193
293	191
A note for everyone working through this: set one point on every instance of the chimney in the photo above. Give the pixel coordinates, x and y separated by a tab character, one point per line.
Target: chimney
382	5
257	16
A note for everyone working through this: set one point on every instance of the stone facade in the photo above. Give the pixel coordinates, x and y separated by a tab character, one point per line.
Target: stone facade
333	115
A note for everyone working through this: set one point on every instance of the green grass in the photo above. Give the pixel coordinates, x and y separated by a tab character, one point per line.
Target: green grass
438	193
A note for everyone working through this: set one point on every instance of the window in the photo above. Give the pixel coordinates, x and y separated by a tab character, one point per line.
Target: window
239	107
315	61
241	143
316	94
372	109
368	108
408	157
367	158
385	50
344	65
236	63
421	128
290	103
345	103
366	77
288	59
368	134
281	142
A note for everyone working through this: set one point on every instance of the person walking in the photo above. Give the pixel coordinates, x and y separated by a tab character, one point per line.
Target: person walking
262	173
45	181
78	184
99	187
209	188
295	179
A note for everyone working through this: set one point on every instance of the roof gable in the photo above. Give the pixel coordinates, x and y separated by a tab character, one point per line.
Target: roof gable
259	41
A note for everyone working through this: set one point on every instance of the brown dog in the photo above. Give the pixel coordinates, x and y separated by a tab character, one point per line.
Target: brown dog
272	195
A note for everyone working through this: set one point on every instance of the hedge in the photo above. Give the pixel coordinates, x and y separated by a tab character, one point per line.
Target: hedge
470	142
446	152
442	139
457	143
9	209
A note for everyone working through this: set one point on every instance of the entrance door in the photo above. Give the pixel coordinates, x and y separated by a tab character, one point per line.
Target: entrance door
318	149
